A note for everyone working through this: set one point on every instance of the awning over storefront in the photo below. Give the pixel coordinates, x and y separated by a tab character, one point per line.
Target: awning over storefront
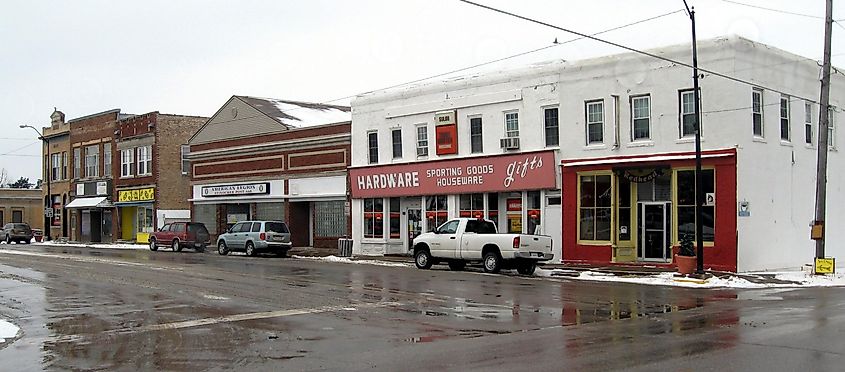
647	158
95	202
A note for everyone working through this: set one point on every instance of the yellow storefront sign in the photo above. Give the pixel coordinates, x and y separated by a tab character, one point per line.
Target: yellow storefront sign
147	194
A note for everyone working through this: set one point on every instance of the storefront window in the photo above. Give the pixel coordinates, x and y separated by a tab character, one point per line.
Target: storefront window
624	212
533	212
493	208
686	204
144	222
373	218
594	207
394	219
436	211
514	213
472	205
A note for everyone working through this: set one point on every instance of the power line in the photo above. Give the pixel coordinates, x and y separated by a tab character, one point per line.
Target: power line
652	55
19	148
501	59
773	9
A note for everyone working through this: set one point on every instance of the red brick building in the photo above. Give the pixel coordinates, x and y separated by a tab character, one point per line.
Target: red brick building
269	159
150	173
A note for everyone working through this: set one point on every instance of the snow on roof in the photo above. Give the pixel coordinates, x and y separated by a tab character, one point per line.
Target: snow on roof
300	114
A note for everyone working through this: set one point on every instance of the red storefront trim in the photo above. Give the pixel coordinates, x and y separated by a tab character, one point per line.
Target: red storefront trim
721	256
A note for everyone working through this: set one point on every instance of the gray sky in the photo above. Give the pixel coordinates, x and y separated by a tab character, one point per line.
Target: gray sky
189	56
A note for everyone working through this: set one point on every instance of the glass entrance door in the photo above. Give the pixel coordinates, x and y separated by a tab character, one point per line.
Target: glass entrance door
414	225
654	239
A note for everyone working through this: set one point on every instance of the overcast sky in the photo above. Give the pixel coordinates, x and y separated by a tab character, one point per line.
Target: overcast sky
189	56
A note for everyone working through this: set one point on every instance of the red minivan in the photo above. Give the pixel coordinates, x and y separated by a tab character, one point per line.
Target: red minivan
181	234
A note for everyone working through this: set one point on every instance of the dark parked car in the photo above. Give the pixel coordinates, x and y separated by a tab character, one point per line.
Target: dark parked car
178	235
17	232
254	236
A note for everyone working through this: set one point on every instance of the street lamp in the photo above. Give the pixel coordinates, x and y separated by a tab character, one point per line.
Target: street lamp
47	224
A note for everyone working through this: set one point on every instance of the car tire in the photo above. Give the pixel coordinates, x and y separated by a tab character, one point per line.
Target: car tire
526	268
457	265
153	245
176	245
492	262
250	249
222	249
423	259
282	253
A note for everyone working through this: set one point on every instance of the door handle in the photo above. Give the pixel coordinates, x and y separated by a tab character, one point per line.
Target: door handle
453	238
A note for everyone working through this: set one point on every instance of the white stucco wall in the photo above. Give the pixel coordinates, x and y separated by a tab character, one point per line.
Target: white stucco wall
776	178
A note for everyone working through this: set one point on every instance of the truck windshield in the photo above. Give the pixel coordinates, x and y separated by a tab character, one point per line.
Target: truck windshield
480	227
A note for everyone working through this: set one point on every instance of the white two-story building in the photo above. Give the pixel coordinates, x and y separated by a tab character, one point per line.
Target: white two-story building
599	154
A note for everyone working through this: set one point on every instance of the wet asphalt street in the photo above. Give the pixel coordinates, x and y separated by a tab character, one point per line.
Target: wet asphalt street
105	309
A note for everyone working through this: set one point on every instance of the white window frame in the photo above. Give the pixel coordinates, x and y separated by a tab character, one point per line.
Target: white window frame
422	140
831	128
77	162
107	160
683	112
92	155
757	111
511	117
546	126
56	166
393	143
588	122
184	151
635	117
371	157
145	160
808	123
127	162
480	134
784	118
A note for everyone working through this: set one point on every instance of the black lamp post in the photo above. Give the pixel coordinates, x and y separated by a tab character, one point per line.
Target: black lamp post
699	189
49	175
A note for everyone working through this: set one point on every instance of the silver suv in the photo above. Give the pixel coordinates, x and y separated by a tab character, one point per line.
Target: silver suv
17	232
254	236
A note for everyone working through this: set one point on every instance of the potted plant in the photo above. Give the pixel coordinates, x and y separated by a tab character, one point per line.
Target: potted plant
685	259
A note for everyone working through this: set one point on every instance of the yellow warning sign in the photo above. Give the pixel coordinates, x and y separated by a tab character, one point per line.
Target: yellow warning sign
825	265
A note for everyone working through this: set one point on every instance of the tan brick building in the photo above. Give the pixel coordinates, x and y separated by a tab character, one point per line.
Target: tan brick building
269	159
56	151
151	176
21	205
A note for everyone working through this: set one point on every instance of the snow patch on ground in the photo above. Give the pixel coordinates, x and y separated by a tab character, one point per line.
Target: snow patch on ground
213	297
7	330
106	246
801	279
352	261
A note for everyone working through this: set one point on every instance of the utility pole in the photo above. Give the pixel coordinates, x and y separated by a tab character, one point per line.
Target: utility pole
699	189
824	117
49	174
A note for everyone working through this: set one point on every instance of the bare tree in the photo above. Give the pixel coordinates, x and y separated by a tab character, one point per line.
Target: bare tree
4	177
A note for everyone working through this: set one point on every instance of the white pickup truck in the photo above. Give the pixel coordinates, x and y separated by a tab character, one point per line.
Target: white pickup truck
468	239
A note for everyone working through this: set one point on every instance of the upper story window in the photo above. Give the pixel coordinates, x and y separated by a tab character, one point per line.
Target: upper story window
476	142
551	126
64	165
107	160
595	121
687	104
77	163
55	166
831	128
640	117
396	137
145	160
372	145
127	162
512	124
92	154
184	151
757	111
784	118
808	123
422	140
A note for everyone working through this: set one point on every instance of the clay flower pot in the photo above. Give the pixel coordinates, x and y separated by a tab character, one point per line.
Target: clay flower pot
686	264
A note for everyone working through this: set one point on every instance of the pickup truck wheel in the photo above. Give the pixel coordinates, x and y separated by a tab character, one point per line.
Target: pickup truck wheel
492	262
222	249
526	268
423	259
176	246
153	246
250	249
457	265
